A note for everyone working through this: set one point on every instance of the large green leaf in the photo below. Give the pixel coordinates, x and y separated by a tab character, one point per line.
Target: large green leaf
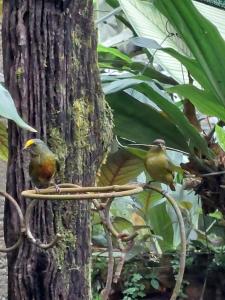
147	200
8	109
193	138
173	113
202	38
204	101
114	52
148	22
192	66
120	168
3	141
220	134
161	224
142	123
111	58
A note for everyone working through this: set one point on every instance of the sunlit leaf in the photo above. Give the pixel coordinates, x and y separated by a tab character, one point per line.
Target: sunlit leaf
217	215
120	168
137	219
220	134
122	224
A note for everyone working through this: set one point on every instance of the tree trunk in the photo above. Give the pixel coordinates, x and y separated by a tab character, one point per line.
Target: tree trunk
50	68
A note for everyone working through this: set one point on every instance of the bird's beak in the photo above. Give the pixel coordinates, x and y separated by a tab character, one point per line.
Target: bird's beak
162	147
28	144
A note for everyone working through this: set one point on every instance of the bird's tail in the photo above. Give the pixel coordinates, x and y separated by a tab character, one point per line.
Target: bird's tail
172	187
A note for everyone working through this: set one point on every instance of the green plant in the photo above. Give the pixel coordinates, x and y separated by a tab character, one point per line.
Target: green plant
134	288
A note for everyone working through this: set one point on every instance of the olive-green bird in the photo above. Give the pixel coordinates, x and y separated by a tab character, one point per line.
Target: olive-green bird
158	164
43	164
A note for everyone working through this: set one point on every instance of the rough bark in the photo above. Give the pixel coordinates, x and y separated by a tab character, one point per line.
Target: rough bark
50	68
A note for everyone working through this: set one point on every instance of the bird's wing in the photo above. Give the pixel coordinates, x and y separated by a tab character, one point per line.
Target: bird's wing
172	167
175	168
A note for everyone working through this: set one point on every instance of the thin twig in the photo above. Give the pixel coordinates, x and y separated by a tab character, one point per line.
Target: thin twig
119	268
121	262
151	145
107	289
212	174
183	240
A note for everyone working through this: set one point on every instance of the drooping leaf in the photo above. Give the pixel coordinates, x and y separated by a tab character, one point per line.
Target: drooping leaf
120	168
118	85
141	123
204	101
145	42
114	52
193	138
8	109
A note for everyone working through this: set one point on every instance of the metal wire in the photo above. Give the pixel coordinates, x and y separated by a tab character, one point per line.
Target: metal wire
21	220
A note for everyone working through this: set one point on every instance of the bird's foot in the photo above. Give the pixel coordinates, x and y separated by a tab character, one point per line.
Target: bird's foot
151	181
37	190
57	188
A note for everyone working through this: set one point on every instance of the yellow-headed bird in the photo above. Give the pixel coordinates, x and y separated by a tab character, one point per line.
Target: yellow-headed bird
43	164
158	165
